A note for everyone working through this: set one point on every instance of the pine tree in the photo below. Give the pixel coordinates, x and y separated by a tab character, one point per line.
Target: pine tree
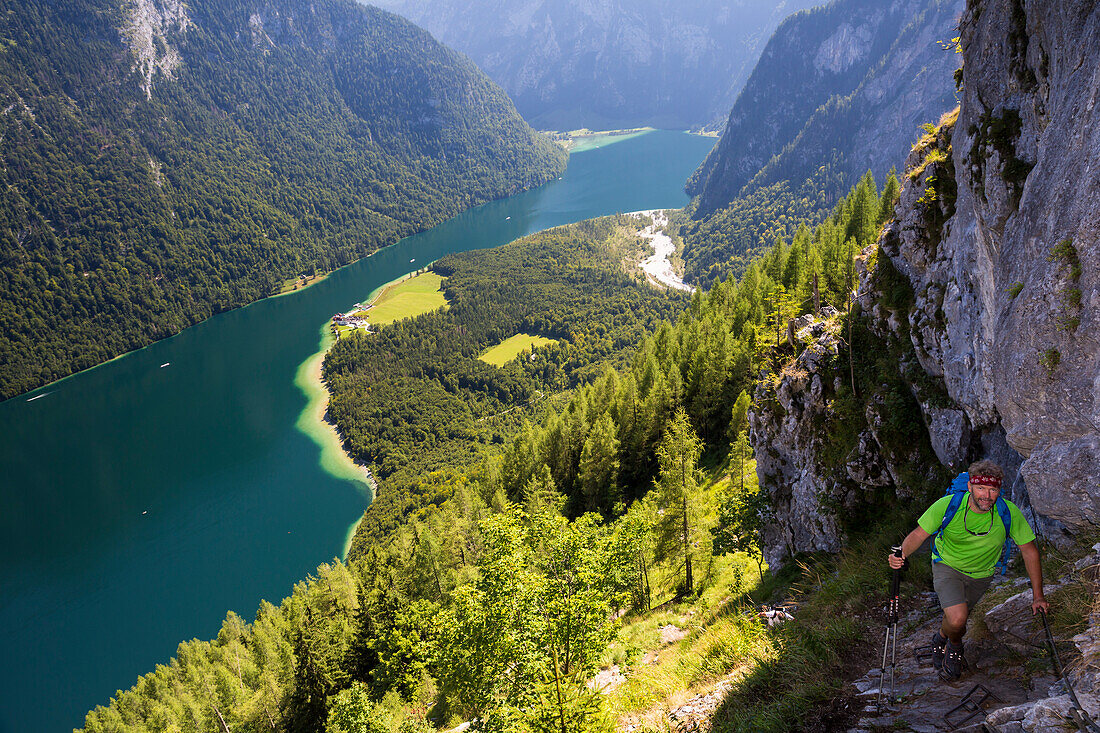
890	193
519	462
739	419
740	454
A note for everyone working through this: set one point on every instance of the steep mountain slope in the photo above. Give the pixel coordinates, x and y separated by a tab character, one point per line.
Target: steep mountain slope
842	85
610	63
166	161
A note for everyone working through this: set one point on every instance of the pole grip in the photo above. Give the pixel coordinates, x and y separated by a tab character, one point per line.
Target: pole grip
895	582
895	587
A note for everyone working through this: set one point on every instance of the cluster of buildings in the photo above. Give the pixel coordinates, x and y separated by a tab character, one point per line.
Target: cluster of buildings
350	319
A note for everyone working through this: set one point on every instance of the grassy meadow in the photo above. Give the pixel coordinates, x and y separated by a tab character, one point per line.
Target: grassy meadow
510	348
406	299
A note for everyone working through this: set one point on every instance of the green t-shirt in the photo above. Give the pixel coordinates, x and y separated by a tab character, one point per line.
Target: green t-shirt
975	556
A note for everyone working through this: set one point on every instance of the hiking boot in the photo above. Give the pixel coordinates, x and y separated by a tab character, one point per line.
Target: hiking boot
938	644
952	662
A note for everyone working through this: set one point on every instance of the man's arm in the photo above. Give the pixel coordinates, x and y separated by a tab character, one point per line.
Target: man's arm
1030	553
909	545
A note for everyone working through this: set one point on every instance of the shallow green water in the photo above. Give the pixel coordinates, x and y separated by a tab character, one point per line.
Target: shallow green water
140	502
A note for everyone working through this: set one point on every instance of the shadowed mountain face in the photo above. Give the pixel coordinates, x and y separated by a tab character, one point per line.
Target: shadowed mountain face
163	161
609	63
844	86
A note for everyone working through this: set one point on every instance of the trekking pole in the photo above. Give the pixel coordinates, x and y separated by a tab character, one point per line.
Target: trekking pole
1080	716
891	643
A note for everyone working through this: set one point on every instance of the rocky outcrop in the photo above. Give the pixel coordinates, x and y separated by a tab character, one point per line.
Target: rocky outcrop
819	461
148	31
787	445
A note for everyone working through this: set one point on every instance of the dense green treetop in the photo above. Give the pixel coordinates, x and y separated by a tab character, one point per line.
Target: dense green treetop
414	398
250	144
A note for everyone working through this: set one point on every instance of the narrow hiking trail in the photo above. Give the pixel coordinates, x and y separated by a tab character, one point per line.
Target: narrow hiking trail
923	701
1009	685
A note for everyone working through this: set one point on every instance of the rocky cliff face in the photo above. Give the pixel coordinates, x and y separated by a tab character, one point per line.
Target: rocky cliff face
147	31
984	288
1018	268
844	85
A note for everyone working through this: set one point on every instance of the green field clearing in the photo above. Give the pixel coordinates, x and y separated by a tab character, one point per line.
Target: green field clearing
510	348
405	299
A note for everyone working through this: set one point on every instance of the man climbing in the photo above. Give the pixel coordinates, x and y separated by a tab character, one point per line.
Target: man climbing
965	552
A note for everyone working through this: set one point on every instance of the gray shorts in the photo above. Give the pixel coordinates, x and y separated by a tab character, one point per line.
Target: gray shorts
954	587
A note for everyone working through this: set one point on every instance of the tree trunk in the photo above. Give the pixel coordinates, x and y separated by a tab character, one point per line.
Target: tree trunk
687	548
221	720
557	684
851	346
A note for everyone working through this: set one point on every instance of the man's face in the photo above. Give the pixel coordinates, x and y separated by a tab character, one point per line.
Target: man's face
984	496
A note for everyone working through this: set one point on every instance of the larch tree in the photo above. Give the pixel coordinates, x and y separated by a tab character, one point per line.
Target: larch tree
677	490
599	465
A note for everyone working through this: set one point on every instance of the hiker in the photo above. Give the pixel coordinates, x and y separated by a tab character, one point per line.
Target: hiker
966	549
774	617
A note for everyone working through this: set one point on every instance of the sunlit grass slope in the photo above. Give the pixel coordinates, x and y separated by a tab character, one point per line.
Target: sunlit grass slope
408	298
510	348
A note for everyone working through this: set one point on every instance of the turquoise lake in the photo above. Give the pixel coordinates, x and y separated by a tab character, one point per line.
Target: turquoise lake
141	502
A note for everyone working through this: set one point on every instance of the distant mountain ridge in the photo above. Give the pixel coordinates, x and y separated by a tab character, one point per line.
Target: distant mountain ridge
609	63
165	161
845	86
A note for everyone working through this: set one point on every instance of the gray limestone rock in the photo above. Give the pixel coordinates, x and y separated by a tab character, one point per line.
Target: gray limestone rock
1006	277
1063	480
949	432
786	444
1011	623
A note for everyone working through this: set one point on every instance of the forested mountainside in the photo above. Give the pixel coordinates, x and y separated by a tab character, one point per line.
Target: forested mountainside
449	400
611	63
415	402
829	72
839	90
165	161
493	588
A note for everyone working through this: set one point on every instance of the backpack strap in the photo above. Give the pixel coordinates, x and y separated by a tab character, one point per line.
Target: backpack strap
948	515
1006	553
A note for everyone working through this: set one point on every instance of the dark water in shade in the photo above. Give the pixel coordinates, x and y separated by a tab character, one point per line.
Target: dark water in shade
138	503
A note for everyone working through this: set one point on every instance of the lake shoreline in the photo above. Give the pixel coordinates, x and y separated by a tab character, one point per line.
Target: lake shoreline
578	141
316	423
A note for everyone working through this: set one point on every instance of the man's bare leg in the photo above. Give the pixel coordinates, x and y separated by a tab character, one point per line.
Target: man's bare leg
954	622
